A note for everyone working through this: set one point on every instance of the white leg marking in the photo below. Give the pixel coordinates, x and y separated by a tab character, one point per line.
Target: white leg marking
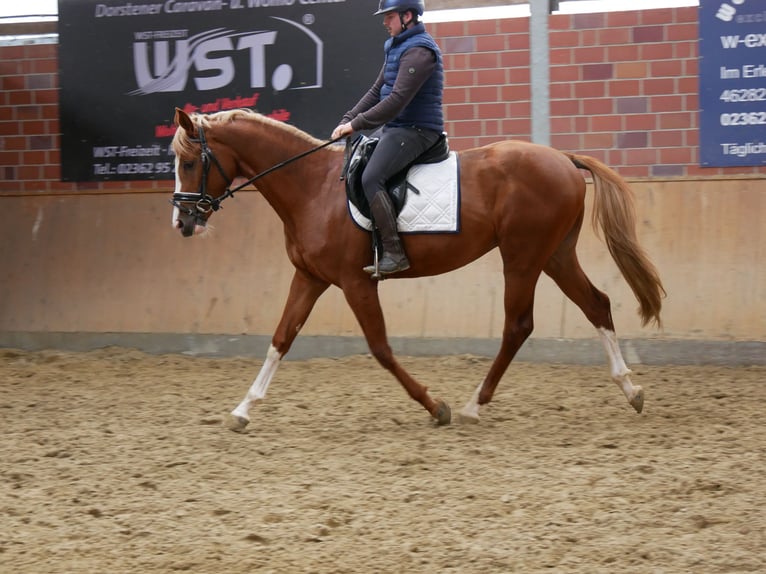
619	370
257	390
470	412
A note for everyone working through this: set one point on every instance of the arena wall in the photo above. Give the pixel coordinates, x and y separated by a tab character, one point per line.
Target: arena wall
88	264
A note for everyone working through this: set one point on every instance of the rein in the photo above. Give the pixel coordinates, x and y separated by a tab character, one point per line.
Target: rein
203	202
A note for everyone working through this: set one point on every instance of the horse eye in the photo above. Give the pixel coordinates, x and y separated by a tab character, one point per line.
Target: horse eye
187	165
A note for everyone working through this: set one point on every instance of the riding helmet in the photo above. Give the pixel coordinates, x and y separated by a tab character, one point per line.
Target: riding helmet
400	6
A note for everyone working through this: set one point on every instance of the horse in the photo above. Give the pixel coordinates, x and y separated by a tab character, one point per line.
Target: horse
526	199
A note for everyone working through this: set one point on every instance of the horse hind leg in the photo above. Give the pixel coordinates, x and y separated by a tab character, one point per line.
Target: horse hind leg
620	371
565	270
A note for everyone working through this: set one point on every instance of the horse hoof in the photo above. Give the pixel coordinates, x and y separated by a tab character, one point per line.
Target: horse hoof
442	414
236	423
637	402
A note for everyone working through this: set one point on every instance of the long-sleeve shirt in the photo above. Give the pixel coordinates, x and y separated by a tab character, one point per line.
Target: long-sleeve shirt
415	67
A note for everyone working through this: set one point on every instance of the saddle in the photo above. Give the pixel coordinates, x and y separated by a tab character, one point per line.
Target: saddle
358	153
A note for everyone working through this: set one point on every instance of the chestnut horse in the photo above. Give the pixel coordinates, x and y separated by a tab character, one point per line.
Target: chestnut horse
525	199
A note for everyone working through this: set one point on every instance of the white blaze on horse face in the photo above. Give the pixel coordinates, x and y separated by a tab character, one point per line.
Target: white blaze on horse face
257	390
176	212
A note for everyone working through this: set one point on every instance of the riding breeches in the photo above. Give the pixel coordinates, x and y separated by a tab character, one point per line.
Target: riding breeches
396	149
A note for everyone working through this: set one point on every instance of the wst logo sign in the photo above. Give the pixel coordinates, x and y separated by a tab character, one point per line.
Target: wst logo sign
166	61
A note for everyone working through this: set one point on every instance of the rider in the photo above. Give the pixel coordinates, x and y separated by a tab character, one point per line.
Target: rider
406	100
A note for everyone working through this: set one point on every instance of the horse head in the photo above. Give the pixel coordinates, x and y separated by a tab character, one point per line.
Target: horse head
199	189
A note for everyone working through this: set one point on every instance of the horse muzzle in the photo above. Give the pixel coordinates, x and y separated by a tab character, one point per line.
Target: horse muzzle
191	217
189	223
187	226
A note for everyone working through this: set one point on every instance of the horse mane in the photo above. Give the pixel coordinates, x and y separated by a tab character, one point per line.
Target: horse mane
184	144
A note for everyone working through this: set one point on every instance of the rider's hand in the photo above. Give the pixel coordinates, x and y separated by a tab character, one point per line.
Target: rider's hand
342	130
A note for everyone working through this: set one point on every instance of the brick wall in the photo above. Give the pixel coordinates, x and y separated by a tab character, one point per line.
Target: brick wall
623	89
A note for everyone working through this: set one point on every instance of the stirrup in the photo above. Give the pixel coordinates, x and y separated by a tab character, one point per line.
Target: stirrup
374	269
377	273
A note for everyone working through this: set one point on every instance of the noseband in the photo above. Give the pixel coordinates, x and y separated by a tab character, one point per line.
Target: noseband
203	202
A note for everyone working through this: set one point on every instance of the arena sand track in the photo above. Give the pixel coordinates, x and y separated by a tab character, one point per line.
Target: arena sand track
116	461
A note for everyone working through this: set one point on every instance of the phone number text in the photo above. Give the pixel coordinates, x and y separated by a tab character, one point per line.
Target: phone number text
743	119
133	168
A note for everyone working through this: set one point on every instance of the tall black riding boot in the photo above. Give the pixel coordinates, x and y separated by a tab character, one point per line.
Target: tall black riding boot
394	258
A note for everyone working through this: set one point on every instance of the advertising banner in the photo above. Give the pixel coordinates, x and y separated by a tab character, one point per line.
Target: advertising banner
125	67
732	82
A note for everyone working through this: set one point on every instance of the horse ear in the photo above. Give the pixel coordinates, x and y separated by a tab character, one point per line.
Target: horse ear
183	121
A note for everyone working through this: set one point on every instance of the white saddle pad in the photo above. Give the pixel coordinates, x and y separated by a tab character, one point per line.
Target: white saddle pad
433	200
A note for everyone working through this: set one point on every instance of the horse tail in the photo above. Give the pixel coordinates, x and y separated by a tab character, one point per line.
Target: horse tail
614	213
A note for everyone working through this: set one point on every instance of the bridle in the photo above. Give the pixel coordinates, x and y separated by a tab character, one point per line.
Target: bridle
203	202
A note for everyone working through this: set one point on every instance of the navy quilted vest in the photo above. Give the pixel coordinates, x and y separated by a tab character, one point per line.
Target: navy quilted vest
425	109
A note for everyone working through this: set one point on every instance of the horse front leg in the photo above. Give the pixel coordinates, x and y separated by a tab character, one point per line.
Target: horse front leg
519	323
363	299
304	292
